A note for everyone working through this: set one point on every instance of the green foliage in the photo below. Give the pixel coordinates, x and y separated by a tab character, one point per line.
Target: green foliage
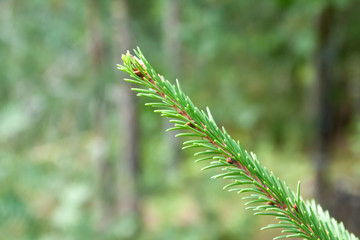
265	193
61	113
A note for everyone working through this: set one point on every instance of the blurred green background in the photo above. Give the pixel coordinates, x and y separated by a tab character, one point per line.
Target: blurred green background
82	158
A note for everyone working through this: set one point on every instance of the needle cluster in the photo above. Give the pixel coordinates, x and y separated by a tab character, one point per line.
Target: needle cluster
265	193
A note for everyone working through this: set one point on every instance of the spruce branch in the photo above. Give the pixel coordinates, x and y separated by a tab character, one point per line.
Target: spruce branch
265	193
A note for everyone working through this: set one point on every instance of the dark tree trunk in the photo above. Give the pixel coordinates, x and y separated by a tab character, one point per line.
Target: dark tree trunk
118	195
104	167
334	112
325	75
129	167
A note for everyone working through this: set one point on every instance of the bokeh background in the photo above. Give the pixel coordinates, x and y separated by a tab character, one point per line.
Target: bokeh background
82	158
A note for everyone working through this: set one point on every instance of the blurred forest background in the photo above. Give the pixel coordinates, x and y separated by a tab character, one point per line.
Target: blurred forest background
82	158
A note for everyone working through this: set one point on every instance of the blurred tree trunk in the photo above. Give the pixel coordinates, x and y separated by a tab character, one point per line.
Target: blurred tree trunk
334	112
172	56
129	166
171	36
325	74
104	167
117	177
